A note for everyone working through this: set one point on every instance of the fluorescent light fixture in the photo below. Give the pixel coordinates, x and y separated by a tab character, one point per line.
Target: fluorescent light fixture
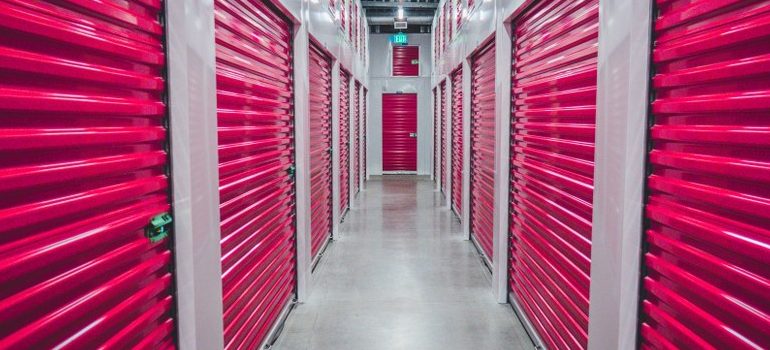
400	12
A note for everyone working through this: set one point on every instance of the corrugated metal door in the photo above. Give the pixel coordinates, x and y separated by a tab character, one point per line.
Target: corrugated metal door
406	61
366	95
457	141
256	163
706	278
399	132
356	137
83	150
435	135
344	142
320	149
483	148
444	117
552	153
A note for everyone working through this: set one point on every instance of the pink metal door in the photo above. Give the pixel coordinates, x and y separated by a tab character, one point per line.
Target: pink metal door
552	153
443	160
356	137
320	149
365	131
483	148
435	135
706	279
83	172
399	132
406	61
256	164
344	142
457	142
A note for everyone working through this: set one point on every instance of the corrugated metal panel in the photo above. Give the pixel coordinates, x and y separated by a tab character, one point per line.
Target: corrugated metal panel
83	150
84	161
435	135
459	13
406	61
356	137
320	149
482	166
399	132
444	116
457	141
706	277
366	95
344	144
552	153
256	161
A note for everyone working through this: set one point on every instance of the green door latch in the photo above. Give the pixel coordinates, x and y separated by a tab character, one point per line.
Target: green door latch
159	227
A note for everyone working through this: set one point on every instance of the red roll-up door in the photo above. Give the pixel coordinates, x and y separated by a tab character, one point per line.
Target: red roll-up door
444	117
457	141
356	137
320	149
552	154
366	95
344	142
399	132
706	279
435	135
406	61
83	150
256	164
483	148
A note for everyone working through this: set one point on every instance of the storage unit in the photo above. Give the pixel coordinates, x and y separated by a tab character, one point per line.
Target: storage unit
83	172
482	140
256	168
705	278
435	135
552	154
320	106
344	142
365	131
399	132
406	61
356	137
443	159
457	141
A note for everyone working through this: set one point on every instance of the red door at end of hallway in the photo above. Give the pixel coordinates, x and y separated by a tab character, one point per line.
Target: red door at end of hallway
399	132
83	173
255	114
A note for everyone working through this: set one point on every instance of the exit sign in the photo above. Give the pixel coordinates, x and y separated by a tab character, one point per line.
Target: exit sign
399	39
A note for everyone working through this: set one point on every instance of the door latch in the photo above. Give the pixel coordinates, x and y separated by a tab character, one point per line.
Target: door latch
413	134
159	227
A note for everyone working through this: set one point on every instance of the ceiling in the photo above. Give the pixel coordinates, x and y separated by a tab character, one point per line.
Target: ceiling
419	14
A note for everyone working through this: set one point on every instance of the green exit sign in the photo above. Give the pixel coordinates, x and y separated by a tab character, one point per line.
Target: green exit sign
399	39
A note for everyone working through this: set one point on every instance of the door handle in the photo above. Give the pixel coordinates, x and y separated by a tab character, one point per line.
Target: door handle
413	134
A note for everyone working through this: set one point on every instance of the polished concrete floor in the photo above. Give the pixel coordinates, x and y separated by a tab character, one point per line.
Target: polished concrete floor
401	275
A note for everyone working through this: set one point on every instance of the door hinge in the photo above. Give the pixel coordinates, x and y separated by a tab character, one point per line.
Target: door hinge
159	227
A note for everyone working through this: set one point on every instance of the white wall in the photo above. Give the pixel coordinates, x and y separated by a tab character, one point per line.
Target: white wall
381	82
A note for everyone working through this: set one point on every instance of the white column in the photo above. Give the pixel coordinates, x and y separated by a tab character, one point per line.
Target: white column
622	102
195	176
503	48
302	159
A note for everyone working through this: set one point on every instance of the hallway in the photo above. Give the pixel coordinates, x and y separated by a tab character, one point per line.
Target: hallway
401	275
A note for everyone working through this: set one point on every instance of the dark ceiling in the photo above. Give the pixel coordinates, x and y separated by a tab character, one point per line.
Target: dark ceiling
419	14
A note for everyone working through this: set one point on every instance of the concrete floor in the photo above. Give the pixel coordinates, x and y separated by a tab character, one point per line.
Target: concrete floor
401	275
